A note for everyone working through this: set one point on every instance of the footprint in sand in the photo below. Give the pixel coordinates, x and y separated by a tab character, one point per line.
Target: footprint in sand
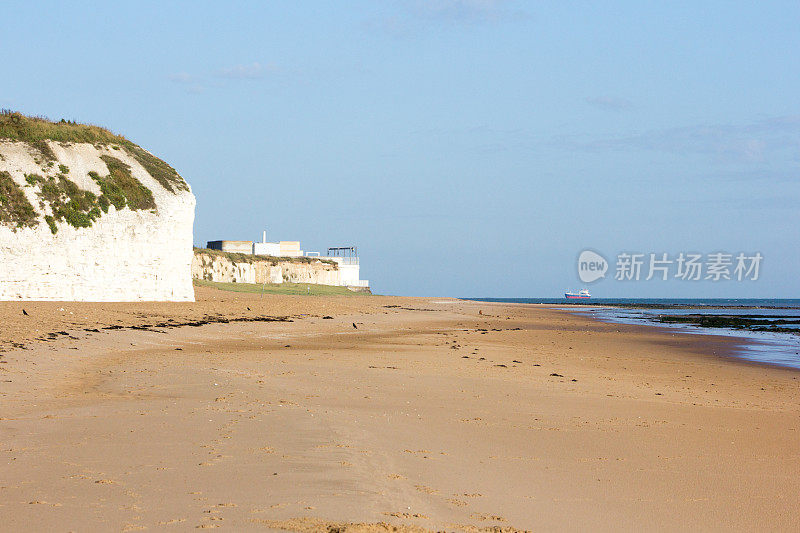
278	505
407	515
481	516
170	522
38	502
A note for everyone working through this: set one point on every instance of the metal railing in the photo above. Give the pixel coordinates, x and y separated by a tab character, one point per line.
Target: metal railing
341	260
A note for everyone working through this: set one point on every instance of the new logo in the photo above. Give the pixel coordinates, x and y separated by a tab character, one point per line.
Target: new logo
591	266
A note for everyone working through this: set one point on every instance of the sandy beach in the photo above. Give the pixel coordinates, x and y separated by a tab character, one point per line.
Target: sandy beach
383	413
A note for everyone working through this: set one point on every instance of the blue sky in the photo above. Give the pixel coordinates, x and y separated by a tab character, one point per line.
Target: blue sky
467	147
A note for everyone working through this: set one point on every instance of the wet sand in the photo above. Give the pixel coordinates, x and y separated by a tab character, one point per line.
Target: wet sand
420	414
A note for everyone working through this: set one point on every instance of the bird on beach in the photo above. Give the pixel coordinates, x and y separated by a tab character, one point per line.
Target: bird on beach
354	325
24	312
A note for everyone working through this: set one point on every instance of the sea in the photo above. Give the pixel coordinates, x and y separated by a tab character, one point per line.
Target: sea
767	327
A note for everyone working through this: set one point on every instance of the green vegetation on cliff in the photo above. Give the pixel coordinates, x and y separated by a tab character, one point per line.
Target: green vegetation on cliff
122	188
37	130
249	258
78	207
15	209
70	203
66	200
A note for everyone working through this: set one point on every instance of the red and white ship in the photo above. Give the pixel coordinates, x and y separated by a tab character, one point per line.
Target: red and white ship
582	294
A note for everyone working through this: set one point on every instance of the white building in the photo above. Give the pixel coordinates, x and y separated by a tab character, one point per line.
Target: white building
277	249
346	257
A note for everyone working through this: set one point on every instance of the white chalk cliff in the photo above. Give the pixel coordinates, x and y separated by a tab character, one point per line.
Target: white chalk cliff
88	221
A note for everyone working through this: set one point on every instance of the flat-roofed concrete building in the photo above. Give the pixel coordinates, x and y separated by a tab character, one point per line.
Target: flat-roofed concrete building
267	248
290	249
240	247
276	249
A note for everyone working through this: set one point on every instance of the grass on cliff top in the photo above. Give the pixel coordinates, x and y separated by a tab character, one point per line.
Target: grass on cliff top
36	130
235	257
300	289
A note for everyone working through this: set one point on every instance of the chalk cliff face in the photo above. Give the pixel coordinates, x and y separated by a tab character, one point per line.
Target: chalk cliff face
92	221
211	266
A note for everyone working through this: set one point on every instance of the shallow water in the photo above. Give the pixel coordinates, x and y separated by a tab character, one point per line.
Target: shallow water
782	349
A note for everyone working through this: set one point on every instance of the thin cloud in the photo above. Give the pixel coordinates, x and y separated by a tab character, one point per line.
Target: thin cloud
755	141
410	17
198	83
773	202
394	25
462	11
752	174
182	77
191	84
786	201
253	71
609	103
196	88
